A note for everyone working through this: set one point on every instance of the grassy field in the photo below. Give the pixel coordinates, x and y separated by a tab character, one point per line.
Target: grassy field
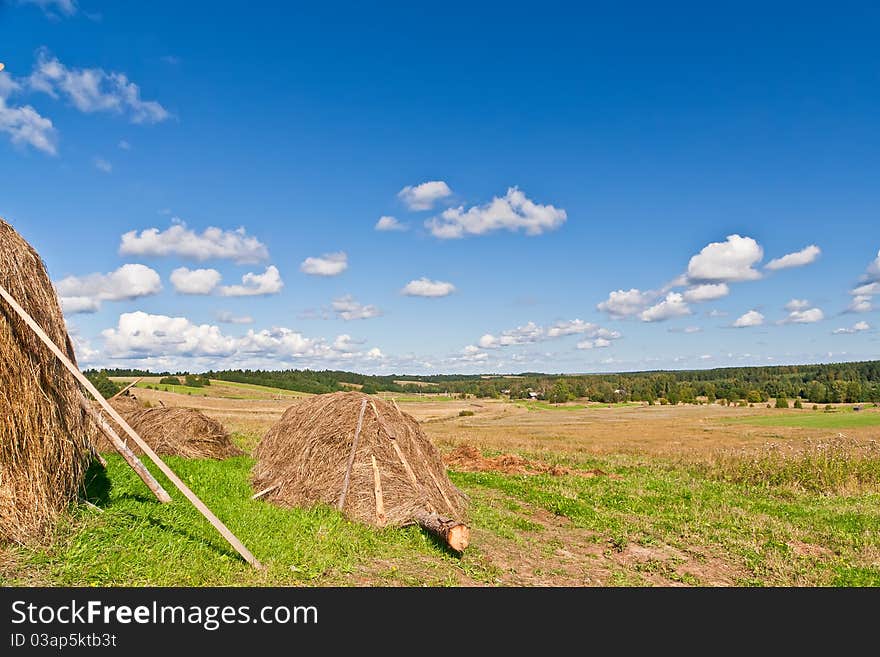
838	419
222	390
660	523
547	406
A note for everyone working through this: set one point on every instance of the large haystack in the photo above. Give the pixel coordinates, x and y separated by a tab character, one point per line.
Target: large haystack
182	432
305	457
44	433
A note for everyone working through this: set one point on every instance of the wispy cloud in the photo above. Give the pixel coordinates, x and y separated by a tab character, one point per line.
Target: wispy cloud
25	125
425	287
103	165
329	264
858	327
800	258
386	223
348	308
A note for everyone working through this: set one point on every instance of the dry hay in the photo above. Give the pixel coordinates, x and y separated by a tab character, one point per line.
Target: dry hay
182	432
306	454
467	458
44	433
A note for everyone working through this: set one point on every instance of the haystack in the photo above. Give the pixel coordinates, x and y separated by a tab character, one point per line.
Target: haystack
363	456
44	433
182	432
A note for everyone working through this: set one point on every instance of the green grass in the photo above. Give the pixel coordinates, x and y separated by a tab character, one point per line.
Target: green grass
753	525
430	398
840	419
222	389
538	405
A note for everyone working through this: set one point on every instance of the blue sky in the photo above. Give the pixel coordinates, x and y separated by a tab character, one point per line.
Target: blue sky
573	188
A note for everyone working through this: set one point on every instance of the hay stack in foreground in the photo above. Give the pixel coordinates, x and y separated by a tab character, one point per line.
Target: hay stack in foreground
182	432
44	433
387	473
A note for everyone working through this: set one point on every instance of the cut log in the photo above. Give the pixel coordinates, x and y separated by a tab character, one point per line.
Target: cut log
454	533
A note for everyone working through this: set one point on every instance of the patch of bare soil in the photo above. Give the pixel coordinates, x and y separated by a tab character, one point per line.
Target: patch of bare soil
467	458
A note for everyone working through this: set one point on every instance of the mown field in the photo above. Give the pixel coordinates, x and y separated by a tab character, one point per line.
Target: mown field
736	503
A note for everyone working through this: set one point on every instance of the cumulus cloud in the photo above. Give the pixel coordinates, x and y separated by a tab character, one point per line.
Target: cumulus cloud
626	303
195	281
673	305
868	290
751	318
94	90
861	303
329	264
809	316
513	212
212	243
531	333
269	282
706	292
85	293
142	336
24	125
386	223
347	308
800	258
425	287
797	304
103	165
424	196
729	261
226	317
858	327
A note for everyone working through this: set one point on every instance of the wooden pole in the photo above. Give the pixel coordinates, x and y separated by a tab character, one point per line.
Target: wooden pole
377	491
129	456
168	472
265	491
125	389
354	444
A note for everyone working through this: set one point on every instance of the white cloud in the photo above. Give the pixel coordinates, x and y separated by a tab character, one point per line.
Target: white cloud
672	306
269	282
513	212
212	243
24	125
717	313
424	196
425	287
167	340
53	8
810	316
531	333
751	318
348	308
797	304
386	223
861	303
103	165
868	289
874	268
625	303
728	261
124	145
226	317
706	357
686	329
800	258
329	264
598	343
75	305
706	292
85	293
195	281
858	327
94	90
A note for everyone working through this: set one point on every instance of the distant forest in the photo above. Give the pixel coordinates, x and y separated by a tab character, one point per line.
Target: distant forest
818	384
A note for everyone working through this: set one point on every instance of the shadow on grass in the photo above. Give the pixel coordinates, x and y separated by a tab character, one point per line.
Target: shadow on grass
97	485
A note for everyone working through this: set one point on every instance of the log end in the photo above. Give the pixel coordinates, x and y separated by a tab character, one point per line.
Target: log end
458	537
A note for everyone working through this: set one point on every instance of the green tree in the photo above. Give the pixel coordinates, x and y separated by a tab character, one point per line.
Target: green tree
560	393
781	402
102	382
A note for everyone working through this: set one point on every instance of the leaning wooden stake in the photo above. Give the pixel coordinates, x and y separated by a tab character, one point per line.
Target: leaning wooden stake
129	456
354	445
456	534
377	491
125	389
192	497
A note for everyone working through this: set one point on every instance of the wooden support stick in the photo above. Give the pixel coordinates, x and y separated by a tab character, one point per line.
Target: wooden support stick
354	444
265	491
377	491
168	472
456	534
125	389
129	456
